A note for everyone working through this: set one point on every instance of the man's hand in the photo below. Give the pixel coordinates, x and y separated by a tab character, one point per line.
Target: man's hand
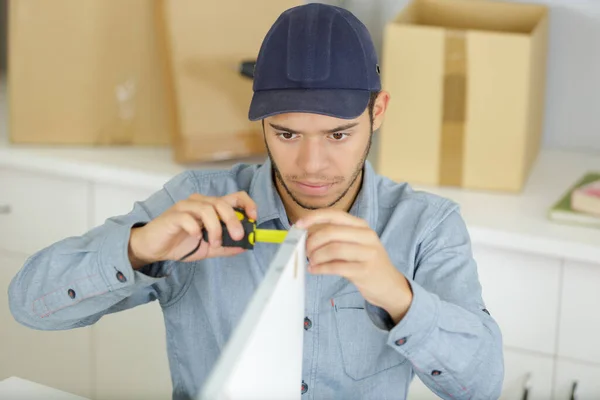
341	244
178	230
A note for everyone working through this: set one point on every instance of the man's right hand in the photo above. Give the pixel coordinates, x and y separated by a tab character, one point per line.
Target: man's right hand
178	230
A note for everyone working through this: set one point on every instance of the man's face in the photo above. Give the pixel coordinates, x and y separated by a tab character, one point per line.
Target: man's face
316	158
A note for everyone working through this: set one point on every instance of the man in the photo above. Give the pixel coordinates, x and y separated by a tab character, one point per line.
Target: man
392	288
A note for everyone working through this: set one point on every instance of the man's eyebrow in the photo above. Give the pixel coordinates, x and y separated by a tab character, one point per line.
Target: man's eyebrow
342	127
283	128
334	130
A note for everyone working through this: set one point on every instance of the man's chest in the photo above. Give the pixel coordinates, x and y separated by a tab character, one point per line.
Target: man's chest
229	283
225	286
341	343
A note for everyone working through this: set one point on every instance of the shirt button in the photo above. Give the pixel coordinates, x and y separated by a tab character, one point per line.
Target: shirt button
400	341
121	277
307	323
304	387
435	372
71	293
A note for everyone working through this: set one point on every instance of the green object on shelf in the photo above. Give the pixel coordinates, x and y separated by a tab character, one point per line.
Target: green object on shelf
561	211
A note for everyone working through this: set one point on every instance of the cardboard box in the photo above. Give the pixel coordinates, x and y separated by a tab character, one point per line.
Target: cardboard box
467	82
86	73
203	44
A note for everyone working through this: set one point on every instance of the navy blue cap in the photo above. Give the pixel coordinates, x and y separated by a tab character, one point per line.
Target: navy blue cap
316	58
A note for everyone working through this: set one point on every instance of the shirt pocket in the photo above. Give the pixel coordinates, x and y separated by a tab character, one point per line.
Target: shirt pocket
364	347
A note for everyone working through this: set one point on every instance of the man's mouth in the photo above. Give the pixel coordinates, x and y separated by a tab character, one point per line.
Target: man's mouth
313	188
315	184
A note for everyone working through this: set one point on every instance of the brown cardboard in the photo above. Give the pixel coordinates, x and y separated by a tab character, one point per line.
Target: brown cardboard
85	72
454	103
204	42
467	80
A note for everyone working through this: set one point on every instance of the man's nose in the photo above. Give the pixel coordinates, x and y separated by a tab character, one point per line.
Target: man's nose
312	157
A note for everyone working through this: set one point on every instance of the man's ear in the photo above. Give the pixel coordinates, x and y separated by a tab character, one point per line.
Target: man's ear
379	108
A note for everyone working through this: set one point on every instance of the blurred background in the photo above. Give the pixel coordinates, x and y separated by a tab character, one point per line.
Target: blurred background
494	104
3	30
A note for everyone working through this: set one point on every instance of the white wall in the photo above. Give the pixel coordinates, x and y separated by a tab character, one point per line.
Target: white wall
573	86
3	20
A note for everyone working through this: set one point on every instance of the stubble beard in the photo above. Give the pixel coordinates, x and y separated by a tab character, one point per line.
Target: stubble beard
355	175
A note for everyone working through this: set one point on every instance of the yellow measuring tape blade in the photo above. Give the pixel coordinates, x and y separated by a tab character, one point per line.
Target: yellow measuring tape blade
270	235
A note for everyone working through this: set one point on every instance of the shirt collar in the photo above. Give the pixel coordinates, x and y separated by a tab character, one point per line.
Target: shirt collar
366	204
270	205
265	195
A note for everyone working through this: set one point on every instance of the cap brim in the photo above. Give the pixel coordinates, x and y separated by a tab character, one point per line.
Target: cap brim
338	103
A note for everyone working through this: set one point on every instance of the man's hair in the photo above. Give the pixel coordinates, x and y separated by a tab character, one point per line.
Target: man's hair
371	105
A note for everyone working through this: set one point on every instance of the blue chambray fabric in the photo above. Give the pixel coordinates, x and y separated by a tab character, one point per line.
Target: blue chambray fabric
352	349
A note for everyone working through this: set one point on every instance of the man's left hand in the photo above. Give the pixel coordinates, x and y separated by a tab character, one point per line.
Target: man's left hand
340	244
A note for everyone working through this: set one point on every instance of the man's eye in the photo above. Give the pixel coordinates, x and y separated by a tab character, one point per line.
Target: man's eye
339	136
286	135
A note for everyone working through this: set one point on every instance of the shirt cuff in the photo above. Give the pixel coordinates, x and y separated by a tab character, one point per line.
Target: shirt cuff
114	264
419	321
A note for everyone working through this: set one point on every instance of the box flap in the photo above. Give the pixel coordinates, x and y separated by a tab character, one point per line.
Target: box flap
487	15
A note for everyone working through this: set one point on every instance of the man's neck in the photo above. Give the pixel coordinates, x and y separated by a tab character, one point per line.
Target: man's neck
295	212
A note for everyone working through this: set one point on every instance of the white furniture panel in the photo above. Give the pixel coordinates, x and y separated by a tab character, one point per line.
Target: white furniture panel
579	317
587	377
265	350
521	291
59	359
37	210
518	366
130	346
130	354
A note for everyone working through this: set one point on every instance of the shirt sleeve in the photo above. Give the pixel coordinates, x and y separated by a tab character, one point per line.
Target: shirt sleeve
452	341
75	281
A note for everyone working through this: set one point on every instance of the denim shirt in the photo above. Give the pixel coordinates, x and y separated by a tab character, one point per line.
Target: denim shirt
352	349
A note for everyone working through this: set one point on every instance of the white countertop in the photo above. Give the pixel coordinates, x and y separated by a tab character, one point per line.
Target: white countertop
515	221
15	388
519	221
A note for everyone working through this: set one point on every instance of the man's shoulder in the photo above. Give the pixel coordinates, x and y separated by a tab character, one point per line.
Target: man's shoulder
394	194
400	200
213	182
222	181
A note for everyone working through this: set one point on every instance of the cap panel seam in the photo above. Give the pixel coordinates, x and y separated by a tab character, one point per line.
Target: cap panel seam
359	41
